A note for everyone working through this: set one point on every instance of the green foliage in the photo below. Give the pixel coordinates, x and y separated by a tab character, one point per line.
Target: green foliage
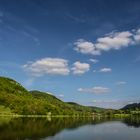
5	110
10	86
85	109
20	101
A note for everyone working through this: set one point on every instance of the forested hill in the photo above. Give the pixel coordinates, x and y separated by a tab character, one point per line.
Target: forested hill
15	99
133	106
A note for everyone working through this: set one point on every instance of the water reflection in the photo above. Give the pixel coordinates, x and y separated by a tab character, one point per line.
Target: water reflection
47	128
132	121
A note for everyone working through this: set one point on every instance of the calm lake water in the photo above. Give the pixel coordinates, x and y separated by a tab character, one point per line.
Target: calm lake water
69	129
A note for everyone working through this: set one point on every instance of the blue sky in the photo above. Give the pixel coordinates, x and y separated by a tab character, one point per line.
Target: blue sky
85	51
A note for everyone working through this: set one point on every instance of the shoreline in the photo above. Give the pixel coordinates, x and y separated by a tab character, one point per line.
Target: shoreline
68	116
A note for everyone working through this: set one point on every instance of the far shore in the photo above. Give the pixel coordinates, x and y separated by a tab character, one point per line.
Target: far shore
67	116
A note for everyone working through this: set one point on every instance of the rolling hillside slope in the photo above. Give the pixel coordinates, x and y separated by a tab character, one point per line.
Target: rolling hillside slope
15	99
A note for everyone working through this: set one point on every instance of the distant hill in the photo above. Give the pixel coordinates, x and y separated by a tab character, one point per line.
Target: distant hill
82	108
133	106
15	99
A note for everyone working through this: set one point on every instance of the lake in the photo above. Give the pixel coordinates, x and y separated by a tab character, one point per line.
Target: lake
69	128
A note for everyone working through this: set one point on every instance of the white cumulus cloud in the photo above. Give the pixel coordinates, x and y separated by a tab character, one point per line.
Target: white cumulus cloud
80	68
61	95
105	70
111	41
86	47
114	41
53	66
137	36
95	90
121	83
94	60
